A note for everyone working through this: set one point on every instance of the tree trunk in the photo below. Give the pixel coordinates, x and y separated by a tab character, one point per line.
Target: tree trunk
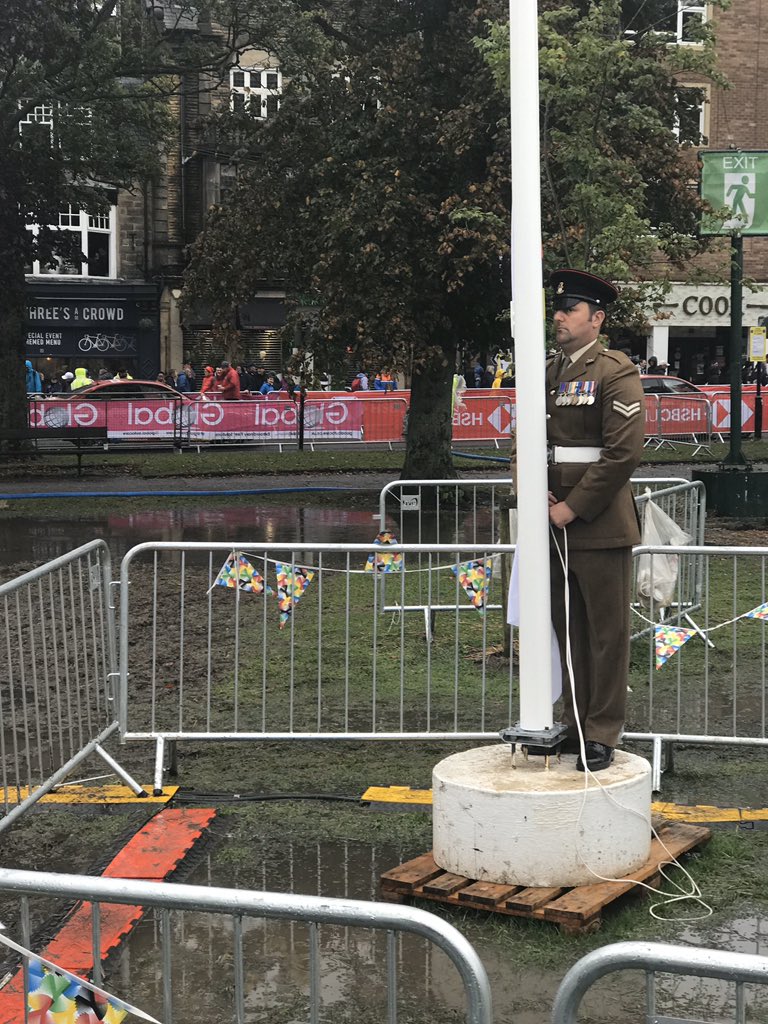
13	320
428	442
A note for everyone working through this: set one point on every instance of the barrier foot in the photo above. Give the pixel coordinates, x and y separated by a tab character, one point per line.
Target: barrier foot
121	773
700	632
159	755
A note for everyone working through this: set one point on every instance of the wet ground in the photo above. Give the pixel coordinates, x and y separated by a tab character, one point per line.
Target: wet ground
337	849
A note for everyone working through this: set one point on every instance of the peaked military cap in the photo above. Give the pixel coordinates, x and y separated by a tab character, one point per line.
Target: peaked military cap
583	287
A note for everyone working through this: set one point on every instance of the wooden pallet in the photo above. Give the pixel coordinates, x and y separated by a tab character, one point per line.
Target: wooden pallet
575	910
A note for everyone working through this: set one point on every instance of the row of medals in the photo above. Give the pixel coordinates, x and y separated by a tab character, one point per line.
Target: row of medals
577	392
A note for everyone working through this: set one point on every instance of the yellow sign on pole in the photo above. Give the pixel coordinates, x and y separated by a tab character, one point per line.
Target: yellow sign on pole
757	344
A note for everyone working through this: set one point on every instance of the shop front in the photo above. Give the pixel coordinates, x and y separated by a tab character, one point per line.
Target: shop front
100	327
693	332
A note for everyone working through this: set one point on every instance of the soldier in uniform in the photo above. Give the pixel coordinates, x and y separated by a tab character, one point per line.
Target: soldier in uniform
595	428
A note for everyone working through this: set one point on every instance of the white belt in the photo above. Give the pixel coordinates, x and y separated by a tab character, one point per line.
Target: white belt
556	454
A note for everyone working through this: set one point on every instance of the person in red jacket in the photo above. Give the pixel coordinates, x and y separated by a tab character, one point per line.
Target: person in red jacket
208	384
227	383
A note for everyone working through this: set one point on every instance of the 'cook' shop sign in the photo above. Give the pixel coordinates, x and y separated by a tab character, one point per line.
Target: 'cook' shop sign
710	306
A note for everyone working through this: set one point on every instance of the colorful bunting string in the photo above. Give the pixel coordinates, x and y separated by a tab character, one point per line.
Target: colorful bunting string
292	582
56	996
668	640
238	572
475	577
384	561
761	612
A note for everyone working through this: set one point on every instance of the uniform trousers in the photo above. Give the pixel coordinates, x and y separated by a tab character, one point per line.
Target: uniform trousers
599	627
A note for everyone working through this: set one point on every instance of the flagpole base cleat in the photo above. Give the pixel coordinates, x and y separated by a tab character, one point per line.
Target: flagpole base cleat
535	742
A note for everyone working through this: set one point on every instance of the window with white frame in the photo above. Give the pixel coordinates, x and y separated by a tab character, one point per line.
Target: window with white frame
40	116
690	116
96	237
680	19
255	91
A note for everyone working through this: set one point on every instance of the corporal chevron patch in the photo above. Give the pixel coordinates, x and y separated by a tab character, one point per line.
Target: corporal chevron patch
629	410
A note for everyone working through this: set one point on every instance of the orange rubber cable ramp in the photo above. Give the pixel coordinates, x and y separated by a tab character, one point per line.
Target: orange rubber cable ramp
151	855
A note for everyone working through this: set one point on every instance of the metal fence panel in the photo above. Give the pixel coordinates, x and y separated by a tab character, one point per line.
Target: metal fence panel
59	672
654	958
200	661
237	913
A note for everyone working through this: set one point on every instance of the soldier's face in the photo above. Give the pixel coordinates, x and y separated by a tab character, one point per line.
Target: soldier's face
577	327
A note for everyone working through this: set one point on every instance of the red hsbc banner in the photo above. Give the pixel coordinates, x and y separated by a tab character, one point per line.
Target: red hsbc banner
489	416
666	415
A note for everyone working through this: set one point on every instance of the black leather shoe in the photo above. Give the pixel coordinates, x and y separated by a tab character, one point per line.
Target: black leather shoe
599	756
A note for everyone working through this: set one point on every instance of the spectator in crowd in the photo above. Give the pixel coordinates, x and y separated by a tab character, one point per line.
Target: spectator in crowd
488	377
258	376
82	380
246	378
34	379
185	382
713	372
170	378
104	374
122	374
208	387
360	382
477	373
384	381
288	384
66	380
227	383
160	378
653	366
268	385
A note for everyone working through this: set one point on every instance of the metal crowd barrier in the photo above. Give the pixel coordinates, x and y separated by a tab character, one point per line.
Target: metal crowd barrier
471	511
184	913
475	511
205	662
59	670
654	958
712	689
671	420
208	662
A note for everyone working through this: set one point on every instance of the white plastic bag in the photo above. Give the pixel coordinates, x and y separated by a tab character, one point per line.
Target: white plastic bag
657	574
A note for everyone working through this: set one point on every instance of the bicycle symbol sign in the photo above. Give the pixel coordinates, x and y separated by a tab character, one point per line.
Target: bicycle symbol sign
117	343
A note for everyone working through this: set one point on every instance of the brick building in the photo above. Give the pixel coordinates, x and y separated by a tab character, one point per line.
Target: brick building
695	330
122	307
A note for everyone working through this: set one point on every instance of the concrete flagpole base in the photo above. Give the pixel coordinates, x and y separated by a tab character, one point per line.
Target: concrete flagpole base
533	826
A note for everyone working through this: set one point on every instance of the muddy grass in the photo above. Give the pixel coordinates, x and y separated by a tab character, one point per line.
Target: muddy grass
251	833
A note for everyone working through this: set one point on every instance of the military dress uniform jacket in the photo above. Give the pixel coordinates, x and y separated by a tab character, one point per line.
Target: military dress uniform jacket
598	492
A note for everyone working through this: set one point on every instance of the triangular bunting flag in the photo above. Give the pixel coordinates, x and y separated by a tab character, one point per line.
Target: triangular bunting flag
475	577
292	581
56	995
238	572
669	639
384	561
761	612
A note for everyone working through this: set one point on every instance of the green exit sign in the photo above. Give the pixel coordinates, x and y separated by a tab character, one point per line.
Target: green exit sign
735	184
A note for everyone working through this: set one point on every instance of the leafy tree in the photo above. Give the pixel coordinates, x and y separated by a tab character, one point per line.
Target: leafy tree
618	189
379	195
84	90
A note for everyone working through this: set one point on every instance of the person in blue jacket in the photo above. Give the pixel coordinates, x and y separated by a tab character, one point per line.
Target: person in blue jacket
34	380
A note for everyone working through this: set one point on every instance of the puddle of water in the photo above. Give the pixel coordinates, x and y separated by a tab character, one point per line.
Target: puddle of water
39	541
352	960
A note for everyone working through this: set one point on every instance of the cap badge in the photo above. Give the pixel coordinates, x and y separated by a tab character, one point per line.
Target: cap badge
560	288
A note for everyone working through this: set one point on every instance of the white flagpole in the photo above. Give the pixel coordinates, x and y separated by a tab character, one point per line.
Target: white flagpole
528	328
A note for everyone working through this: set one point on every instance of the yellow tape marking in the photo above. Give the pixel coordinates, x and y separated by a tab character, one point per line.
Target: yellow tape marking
673	812
92	795
397	795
